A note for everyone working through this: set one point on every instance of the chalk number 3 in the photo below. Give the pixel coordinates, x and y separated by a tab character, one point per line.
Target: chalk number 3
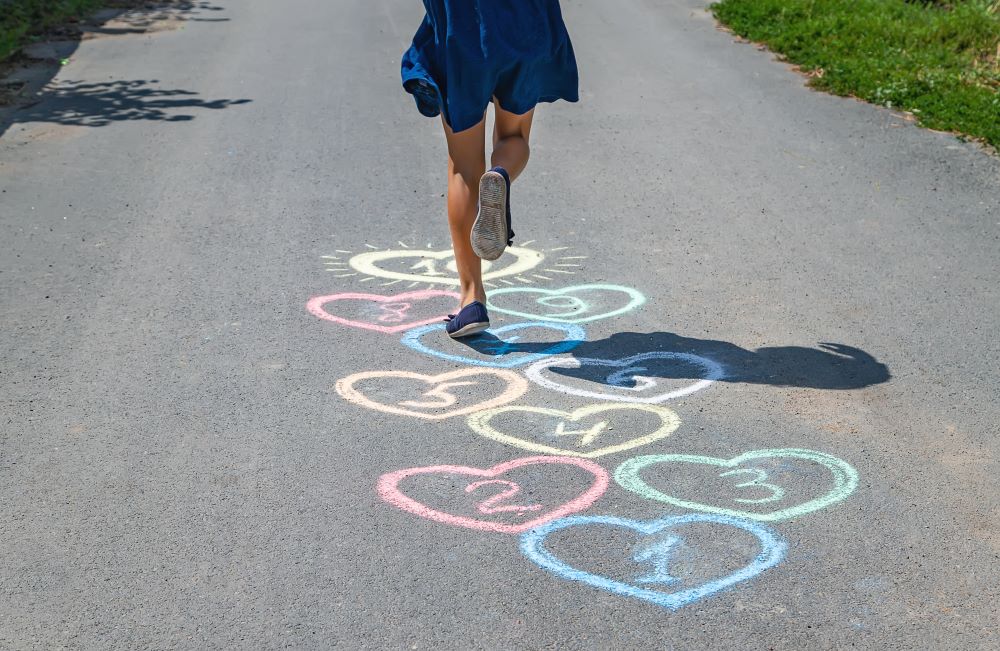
777	492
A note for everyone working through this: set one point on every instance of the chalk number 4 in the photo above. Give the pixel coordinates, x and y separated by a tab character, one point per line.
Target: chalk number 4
777	492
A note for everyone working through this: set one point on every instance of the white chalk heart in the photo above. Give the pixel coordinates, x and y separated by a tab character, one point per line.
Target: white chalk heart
711	371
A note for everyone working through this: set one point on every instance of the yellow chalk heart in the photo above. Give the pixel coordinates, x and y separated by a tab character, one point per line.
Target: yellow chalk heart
669	422
439	397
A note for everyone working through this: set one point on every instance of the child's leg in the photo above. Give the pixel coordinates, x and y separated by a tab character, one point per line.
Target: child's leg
510	140
466	164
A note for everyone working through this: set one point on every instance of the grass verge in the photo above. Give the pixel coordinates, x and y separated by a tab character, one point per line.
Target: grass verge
939	61
21	19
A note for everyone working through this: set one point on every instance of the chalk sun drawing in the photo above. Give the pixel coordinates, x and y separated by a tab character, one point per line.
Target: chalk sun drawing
480	422
711	371
439	396
772	551
433	268
843	477
388	489
563	306
395	309
507	354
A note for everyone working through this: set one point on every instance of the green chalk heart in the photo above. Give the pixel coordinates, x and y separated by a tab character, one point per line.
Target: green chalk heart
844	478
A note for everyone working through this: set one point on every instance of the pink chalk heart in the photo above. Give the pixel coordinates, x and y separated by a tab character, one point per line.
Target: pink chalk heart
391	314
388	490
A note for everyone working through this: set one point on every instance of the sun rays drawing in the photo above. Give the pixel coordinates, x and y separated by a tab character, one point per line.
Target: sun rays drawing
430	267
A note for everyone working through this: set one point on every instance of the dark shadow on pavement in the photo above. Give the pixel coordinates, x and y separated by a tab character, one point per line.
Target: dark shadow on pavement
99	104
829	366
27	93
488	344
142	18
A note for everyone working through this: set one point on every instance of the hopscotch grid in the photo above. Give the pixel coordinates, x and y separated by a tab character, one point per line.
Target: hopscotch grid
563	307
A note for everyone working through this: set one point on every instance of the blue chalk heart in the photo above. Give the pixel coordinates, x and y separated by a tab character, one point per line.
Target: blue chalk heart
525	352
772	552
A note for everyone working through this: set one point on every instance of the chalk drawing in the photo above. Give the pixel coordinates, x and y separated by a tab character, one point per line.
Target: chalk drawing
563	306
777	492
489	505
658	556
438	396
388	489
480	422
844	479
632	387
393	310
772	552
432	267
587	436
710	372
507	353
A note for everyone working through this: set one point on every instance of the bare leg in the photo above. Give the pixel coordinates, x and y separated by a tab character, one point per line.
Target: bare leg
466	164
510	140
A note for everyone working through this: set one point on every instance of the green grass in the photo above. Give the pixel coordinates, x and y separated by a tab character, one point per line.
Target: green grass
21	19
940	61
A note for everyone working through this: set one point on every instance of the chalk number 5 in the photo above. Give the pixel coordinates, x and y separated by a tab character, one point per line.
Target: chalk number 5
441	394
777	492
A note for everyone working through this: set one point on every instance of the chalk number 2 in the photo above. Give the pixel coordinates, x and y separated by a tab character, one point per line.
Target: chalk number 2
777	492
490	504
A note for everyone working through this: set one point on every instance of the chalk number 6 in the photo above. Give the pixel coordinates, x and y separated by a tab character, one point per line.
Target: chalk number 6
777	492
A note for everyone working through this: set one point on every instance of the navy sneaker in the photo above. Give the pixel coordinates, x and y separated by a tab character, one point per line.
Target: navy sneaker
471	319
491	232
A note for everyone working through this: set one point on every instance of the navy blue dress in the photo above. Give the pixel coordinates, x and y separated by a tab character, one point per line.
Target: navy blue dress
465	52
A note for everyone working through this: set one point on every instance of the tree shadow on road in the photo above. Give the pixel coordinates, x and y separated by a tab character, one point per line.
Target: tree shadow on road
143	19
99	104
29	94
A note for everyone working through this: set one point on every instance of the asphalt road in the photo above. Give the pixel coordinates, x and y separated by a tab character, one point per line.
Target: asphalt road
189	457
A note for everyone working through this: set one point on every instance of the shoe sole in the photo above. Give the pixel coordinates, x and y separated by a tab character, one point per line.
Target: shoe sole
471	329
489	231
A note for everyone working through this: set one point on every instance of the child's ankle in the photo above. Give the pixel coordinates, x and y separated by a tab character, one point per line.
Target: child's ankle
473	296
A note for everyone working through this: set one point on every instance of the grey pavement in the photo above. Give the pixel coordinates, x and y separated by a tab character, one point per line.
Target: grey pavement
179	470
